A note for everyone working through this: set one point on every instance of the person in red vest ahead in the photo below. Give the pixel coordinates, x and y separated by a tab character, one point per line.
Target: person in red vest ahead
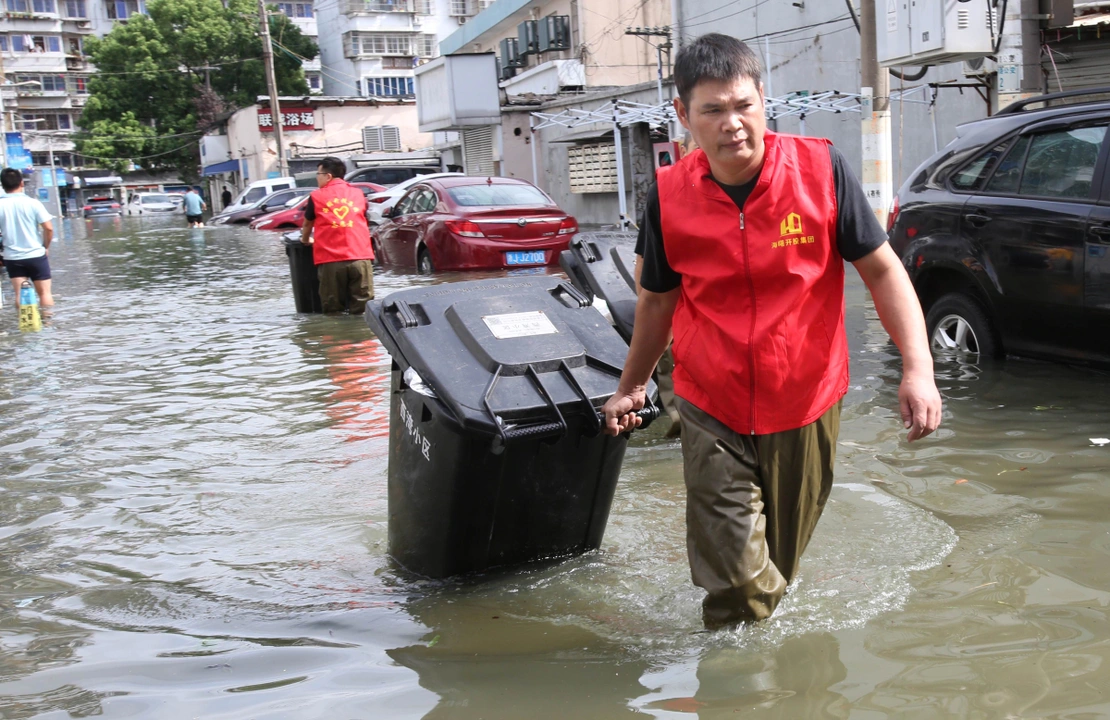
335	226
745	243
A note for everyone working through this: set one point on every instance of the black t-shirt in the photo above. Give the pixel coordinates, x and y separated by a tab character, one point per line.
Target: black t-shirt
310	210
858	232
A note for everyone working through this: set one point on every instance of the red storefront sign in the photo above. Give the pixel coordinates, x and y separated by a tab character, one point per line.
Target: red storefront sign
292	118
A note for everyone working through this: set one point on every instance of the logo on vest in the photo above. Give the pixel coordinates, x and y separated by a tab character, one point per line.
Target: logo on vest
790	232
340	208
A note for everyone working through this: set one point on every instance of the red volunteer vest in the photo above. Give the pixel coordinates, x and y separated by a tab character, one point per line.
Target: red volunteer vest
340	231
759	339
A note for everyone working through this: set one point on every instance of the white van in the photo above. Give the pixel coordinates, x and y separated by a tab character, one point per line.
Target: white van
258	190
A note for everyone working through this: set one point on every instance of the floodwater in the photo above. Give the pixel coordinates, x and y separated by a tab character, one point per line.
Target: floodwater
193	524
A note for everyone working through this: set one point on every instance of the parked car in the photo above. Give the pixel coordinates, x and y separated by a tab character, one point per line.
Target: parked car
101	206
293	215
149	203
276	201
1006	233
457	222
389	175
258	190
380	202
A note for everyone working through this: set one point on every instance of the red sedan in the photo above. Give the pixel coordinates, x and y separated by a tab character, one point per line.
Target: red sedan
293	217
470	223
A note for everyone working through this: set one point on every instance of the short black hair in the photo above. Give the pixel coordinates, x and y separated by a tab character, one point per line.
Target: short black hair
714	57
333	166
10	179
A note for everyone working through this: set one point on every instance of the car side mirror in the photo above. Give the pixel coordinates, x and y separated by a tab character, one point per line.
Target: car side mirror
387	213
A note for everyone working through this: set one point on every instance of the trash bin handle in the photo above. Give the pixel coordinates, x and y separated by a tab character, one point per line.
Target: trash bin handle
576	295
407	317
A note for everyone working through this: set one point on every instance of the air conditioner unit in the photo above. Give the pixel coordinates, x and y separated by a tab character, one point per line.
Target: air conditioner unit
526	33
510	54
980	67
553	33
378	138
920	32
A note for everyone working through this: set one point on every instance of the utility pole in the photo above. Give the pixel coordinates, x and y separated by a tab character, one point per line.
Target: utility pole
1031	79
664	32
271	82
874	117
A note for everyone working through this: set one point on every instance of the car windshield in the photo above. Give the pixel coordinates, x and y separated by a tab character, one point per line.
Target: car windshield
101	201
156	199
493	195
254	195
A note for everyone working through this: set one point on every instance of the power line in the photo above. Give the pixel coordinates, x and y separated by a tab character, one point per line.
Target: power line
685	21
138	157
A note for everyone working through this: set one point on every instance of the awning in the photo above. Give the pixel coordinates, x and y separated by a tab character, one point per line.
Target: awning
583	136
107	180
225	167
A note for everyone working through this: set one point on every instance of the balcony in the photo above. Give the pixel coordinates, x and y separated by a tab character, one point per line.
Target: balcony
82	26
25	62
366	7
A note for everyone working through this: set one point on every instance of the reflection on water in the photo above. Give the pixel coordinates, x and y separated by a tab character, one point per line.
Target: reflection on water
194	517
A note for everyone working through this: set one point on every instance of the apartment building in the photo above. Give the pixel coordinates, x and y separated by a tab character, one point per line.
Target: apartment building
45	72
372	46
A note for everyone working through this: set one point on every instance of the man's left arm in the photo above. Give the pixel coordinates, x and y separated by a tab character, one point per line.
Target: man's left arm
900	313
308	221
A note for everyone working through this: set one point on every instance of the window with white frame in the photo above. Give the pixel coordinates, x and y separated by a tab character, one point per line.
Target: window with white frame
385	44
382	6
296	9
396	63
123	9
34	43
592	168
462	8
78	85
313	81
429	47
46	83
423	7
75	9
43	121
389	86
42	7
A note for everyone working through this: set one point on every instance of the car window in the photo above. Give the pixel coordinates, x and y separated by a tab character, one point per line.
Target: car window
279	199
492	195
156	199
1008	175
404	205
254	195
425	201
972	176
280	186
1062	163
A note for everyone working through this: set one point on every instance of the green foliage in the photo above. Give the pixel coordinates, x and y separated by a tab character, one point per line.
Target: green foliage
171	72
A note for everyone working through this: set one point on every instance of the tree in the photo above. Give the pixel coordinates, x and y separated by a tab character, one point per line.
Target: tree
165	77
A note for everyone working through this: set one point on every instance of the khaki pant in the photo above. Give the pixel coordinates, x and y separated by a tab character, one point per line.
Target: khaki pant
346	285
664	380
752	502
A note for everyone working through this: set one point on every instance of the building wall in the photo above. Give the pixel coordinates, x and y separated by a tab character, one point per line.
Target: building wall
338	130
346	76
610	58
90	20
826	57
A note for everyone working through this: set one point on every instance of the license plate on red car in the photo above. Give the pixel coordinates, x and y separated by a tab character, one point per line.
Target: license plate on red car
525	257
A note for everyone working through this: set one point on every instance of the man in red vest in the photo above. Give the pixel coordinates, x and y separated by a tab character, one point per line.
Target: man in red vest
745	243
335	226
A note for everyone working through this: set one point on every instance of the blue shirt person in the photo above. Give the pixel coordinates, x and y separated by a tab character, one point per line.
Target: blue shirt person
25	252
194	206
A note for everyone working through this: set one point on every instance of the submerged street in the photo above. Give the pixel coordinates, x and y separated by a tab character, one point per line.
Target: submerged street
193	523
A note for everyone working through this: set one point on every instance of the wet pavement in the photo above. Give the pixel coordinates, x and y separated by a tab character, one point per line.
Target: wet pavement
193	524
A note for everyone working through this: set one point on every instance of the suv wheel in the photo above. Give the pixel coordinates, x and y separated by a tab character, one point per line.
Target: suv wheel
957	324
424	262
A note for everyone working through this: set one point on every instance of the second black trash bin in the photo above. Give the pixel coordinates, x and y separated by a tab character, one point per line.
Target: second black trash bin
602	264
302	274
495	452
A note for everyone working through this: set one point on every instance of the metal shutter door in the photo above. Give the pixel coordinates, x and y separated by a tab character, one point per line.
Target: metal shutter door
477	145
1082	64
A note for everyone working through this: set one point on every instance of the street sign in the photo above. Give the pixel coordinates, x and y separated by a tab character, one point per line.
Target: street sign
18	157
47	178
44	194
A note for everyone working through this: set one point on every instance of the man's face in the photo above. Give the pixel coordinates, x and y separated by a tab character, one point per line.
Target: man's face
727	121
322	178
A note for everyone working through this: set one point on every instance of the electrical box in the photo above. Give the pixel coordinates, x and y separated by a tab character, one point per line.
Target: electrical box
554	33
510	54
933	32
526	34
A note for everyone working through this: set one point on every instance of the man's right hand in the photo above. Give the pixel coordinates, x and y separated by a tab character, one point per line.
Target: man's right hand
620	411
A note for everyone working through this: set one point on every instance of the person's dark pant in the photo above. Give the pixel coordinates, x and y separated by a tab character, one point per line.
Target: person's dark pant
752	503
190	219
33	269
346	285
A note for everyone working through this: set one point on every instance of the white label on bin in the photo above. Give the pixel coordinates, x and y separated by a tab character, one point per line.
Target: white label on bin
514	325
423	444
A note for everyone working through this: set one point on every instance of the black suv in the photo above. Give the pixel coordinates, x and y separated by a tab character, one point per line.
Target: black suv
1006	232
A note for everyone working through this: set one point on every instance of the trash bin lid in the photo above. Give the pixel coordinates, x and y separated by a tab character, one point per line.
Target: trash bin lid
607	261
504	352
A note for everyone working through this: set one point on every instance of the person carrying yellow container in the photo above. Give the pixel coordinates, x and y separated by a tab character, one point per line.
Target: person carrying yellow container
27	233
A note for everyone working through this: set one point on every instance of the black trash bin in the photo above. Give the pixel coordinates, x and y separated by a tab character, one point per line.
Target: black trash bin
602	264
495	452
302	273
